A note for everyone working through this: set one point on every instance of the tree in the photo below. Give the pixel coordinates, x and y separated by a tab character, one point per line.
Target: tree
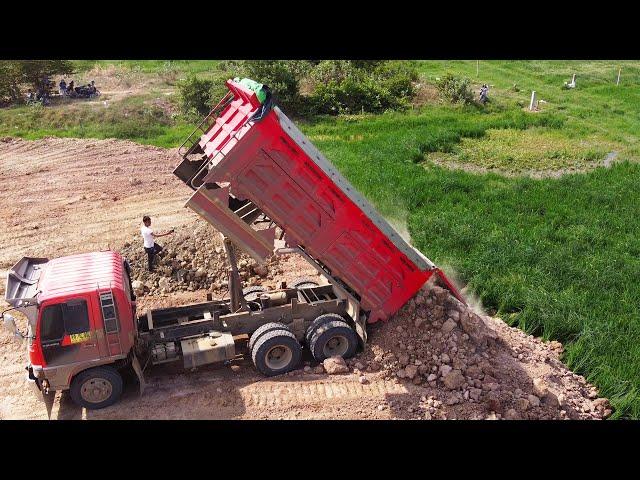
16	73
10	77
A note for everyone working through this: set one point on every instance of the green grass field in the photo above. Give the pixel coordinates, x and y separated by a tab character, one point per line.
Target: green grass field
558	257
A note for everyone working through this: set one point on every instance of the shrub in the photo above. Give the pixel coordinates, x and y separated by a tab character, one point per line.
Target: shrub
281	76
198	96
342	86
455	90
398	77
331	70
195	96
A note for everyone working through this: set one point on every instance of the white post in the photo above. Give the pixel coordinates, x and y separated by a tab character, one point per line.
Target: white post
533	100
573	80
618	81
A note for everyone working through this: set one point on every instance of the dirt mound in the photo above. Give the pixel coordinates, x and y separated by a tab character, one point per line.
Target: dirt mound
194	259
475	366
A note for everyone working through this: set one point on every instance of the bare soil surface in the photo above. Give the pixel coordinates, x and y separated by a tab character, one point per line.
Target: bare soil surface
436	359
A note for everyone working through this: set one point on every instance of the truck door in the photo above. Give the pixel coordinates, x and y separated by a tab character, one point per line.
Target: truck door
66	334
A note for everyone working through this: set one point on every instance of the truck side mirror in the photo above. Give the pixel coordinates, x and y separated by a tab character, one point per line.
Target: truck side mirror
9	324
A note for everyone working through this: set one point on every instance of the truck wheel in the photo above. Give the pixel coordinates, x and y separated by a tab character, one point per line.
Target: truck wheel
267	327
304	282
319	322
333	339
96	388
276	352
251	293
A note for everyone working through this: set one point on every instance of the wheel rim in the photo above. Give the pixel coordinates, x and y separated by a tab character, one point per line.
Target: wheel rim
336	346
278	357
96	390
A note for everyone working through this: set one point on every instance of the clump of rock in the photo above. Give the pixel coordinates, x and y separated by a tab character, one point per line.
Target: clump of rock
475	366
335	365
190	261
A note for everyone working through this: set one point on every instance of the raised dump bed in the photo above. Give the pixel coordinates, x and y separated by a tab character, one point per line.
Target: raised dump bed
243	169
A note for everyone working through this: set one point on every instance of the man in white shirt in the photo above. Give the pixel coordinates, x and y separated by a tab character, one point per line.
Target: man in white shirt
150	246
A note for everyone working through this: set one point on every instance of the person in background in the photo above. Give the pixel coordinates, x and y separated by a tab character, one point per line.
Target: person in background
70	90
63	87
150	245
484	94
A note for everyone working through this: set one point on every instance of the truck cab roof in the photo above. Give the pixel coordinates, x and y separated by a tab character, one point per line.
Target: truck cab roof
35	280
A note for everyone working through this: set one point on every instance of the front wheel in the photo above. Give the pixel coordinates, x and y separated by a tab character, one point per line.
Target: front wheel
96	388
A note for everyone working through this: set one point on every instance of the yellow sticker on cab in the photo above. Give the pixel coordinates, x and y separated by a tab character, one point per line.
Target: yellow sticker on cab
80	337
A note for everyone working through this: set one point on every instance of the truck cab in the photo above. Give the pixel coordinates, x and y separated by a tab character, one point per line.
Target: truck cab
80	312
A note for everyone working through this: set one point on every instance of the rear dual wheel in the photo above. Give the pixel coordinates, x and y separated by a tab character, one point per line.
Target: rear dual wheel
275	349
250	294
331	336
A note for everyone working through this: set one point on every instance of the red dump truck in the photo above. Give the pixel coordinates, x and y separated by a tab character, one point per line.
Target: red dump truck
267	190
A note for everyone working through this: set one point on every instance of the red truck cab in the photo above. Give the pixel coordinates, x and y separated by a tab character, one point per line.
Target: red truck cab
80	311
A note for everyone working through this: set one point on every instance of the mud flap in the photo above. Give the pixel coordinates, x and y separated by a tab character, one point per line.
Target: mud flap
361	330
138	371
48	399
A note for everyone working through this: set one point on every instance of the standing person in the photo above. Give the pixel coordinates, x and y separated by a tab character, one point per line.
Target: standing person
484	94
63	87
150	246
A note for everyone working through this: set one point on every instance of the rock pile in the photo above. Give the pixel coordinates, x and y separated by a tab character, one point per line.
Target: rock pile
192	261
475	366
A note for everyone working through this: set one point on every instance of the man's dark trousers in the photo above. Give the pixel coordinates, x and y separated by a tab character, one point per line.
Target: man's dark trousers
151	253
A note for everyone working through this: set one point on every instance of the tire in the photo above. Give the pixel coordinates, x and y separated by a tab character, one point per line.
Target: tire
268	356
333	339
319	322
108	381
267	327
251	293
304	282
